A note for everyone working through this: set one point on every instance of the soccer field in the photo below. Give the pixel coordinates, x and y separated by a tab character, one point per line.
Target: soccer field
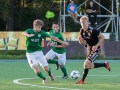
17	75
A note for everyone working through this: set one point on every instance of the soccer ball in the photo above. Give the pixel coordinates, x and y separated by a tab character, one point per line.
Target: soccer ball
75	74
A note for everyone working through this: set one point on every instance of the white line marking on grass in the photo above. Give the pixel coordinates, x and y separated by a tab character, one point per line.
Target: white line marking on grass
17	82
103	75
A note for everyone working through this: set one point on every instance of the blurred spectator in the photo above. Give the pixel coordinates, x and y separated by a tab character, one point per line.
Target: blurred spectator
72	10
91	10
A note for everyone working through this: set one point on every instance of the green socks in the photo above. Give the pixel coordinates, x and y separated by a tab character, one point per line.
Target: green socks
52	61
40	75
64	70
49	71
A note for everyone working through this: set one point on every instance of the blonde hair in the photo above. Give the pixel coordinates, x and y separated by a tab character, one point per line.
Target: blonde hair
38	22
84	18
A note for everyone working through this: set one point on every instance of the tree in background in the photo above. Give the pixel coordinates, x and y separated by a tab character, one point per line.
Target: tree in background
19	14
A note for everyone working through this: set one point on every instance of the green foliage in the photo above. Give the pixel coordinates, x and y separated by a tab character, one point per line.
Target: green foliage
25	11
12	54
21	54
112	37
77	56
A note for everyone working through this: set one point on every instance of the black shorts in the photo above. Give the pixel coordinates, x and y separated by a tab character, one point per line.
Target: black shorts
92	55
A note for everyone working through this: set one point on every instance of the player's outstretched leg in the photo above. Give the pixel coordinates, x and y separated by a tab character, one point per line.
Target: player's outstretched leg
54	62
41	76
63	69
81	81
87	64
50	75
47	69
106	65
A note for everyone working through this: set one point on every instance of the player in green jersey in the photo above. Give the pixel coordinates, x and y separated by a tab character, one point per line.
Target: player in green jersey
58	50
34	48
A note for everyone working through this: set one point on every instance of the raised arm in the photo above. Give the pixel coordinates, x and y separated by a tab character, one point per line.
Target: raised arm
28	35
57	46
58	40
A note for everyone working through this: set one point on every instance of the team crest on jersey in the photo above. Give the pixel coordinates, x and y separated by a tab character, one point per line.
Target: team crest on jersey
83	33
89	34
39	35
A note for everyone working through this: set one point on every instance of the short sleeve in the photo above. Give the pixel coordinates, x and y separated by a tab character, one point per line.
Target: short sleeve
61	37
88	7
44	34
28	31
94	7
95	32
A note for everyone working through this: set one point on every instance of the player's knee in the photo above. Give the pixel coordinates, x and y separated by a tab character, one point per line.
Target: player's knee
36	71
86	65
61	66
45	68
91	66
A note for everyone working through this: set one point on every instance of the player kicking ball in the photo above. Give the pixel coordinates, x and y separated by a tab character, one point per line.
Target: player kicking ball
93	39
34	49
58	50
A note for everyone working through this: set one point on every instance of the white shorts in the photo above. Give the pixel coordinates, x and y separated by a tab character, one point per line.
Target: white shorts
61	57
35	58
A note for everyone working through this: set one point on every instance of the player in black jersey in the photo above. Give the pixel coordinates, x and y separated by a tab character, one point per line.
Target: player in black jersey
93	39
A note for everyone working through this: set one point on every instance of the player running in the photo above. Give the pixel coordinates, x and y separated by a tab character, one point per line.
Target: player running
58	50
93	39
34	49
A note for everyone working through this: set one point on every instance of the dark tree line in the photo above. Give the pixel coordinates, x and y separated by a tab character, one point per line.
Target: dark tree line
18	15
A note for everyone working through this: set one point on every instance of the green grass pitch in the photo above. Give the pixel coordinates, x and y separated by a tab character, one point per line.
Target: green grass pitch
97	79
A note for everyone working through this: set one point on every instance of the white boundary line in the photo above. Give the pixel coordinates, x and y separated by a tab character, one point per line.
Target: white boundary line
104	75
17	82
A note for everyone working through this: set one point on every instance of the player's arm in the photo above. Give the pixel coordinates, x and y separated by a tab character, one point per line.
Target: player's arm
81	40
49	43
28	35
57	46
55	39
101	39
60	41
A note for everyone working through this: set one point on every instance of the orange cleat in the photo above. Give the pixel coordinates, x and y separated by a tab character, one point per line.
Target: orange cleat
80	82
107	66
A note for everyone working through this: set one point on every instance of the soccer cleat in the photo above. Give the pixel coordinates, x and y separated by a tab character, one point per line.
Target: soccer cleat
51	77
80	82
64	77
57	66
107	66
44	81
